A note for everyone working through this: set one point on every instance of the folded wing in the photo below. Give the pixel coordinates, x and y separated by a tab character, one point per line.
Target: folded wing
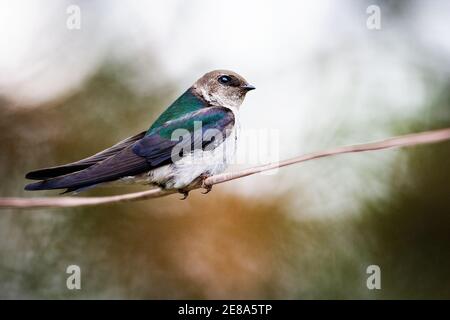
137	154
53	172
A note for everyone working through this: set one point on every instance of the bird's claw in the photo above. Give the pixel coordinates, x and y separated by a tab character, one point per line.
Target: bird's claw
185	193
207	188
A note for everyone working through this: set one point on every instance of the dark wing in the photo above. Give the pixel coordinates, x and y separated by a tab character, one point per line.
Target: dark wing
157	147
124	163
152	151
52	172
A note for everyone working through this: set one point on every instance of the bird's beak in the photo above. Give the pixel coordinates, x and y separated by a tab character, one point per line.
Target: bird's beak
248	87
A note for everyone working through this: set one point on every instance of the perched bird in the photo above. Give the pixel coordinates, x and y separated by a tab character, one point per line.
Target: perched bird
192	139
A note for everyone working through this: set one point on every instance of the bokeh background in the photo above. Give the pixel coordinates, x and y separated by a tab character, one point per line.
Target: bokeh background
308	231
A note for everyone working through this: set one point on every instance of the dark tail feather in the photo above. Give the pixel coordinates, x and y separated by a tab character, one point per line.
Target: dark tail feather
33	186
53	172
42	185
124	163
69	182
45	185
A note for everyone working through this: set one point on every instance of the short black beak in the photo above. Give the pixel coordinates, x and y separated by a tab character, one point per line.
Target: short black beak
248	87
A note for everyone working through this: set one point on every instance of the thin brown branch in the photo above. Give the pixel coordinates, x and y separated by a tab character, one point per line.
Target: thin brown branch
399	141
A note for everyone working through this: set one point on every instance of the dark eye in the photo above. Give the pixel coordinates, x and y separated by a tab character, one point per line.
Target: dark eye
224	79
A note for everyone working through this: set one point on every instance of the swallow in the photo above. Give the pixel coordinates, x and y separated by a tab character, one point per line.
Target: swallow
194	138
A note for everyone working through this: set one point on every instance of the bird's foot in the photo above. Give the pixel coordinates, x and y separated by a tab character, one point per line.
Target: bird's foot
205	186
184	192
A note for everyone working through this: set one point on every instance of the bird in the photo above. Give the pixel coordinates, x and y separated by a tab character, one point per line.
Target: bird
193	139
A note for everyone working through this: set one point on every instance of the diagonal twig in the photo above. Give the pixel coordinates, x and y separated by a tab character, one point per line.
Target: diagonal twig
399	141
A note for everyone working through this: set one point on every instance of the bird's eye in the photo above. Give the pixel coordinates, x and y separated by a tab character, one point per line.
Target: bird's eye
224	79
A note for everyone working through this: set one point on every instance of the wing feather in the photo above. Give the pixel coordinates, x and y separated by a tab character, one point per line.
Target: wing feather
123	164
135	155
157	147
52	172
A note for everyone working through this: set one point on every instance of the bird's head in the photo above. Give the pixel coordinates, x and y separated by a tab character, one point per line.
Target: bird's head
222	88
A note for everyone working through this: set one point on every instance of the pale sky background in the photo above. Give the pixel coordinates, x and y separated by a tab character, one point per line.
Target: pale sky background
317	68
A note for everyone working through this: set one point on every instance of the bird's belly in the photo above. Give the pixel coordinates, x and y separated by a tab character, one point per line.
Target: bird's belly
188	169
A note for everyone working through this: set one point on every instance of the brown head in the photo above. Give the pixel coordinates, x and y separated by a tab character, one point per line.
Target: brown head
222	88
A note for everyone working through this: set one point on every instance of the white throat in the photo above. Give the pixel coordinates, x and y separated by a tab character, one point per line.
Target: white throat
222	101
